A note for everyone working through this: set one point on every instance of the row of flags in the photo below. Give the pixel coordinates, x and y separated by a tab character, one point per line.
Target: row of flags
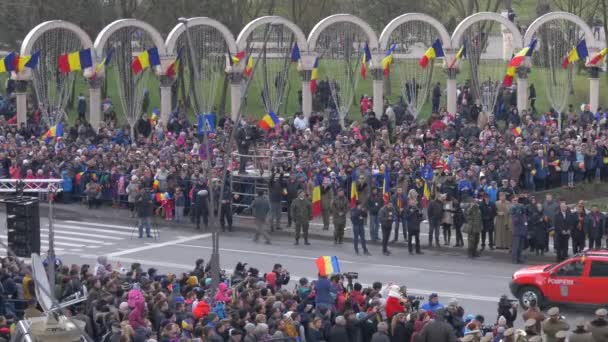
15	62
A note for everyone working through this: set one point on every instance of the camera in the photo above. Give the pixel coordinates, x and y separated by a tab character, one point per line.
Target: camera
351	275
486	328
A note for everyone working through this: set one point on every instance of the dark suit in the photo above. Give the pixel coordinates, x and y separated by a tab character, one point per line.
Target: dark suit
563	228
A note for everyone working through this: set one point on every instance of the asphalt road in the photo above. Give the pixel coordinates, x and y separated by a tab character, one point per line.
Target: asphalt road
476	284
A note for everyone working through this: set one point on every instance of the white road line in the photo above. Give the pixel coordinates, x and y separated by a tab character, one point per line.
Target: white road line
60	237
46	242
159	245
87	229
342	261
95	224
84	234
174	266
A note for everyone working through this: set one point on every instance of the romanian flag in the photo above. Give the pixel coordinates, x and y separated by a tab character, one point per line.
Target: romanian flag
144	60
328	265
426	195
367	57
75	61
9	62
269	121
154	116
161	196
295	53
388	59
79	177
516	131
313	76
386	186
53	132
577	53
249	67
172	69
316	199
155	184
516	61
599	57
433	52
236	58
27	61
105	61
462	52
354	195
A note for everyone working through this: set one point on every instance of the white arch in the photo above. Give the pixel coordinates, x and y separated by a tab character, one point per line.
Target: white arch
536	24
407	17
241	40
104	35
36	32
372	39
482	16
172	38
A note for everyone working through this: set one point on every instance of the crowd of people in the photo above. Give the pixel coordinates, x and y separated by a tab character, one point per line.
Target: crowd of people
130	304
402	170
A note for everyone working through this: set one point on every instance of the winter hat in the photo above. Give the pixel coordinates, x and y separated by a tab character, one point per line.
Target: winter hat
192	281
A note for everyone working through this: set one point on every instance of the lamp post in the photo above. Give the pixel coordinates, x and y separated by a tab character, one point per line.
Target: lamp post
215	251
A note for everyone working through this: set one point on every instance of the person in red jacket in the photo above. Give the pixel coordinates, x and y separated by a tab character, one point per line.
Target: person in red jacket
201	309
393	302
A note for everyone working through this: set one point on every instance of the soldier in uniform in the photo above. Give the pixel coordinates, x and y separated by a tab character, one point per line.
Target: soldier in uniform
487	337
301	210
554	324
560	336
530	327
533	312
508	335
327	196
599	326
536	338
386	216
473	215
580	334
471	338
339	209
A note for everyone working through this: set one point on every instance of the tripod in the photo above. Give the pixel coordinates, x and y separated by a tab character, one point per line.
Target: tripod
153	228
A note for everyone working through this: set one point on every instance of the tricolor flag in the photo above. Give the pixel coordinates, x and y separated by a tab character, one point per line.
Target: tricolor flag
172	69
74	61
354	195
154	116
316	198
313	76
9	62
462	52
365	59
155	184
388	59
295	53
578	52
516	131
27	61
269	121
599	57
436	50
236	58
105	61
249	67
328	265
53	132
386	186
144	60
516	61
426	195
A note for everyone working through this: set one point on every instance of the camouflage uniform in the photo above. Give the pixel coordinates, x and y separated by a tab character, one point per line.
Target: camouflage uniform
339	210
301	211
473	228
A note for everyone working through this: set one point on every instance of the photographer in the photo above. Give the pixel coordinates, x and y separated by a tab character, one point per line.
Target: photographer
282	276
508	309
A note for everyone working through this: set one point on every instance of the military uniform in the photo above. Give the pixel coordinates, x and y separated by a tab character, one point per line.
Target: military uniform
301	210
386	216
508	335
552	326
327	196
530	327
473	228
339	209
599	326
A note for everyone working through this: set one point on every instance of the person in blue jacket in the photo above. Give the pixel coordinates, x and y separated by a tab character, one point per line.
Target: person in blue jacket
67	187
433	304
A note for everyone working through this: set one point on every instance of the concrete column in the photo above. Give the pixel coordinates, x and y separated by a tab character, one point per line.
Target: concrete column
95	103
165	98
594	89
451	91
236	94
507	39
21	97
522	88
378	91
306	93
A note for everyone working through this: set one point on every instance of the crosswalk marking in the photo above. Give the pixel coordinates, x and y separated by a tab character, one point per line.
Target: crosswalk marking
60	237
95	224
86	229
87	234
58	243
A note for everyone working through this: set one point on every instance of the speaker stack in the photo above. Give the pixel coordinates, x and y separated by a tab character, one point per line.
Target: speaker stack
23	225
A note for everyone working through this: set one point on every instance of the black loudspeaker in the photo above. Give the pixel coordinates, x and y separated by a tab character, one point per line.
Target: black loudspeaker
23	225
